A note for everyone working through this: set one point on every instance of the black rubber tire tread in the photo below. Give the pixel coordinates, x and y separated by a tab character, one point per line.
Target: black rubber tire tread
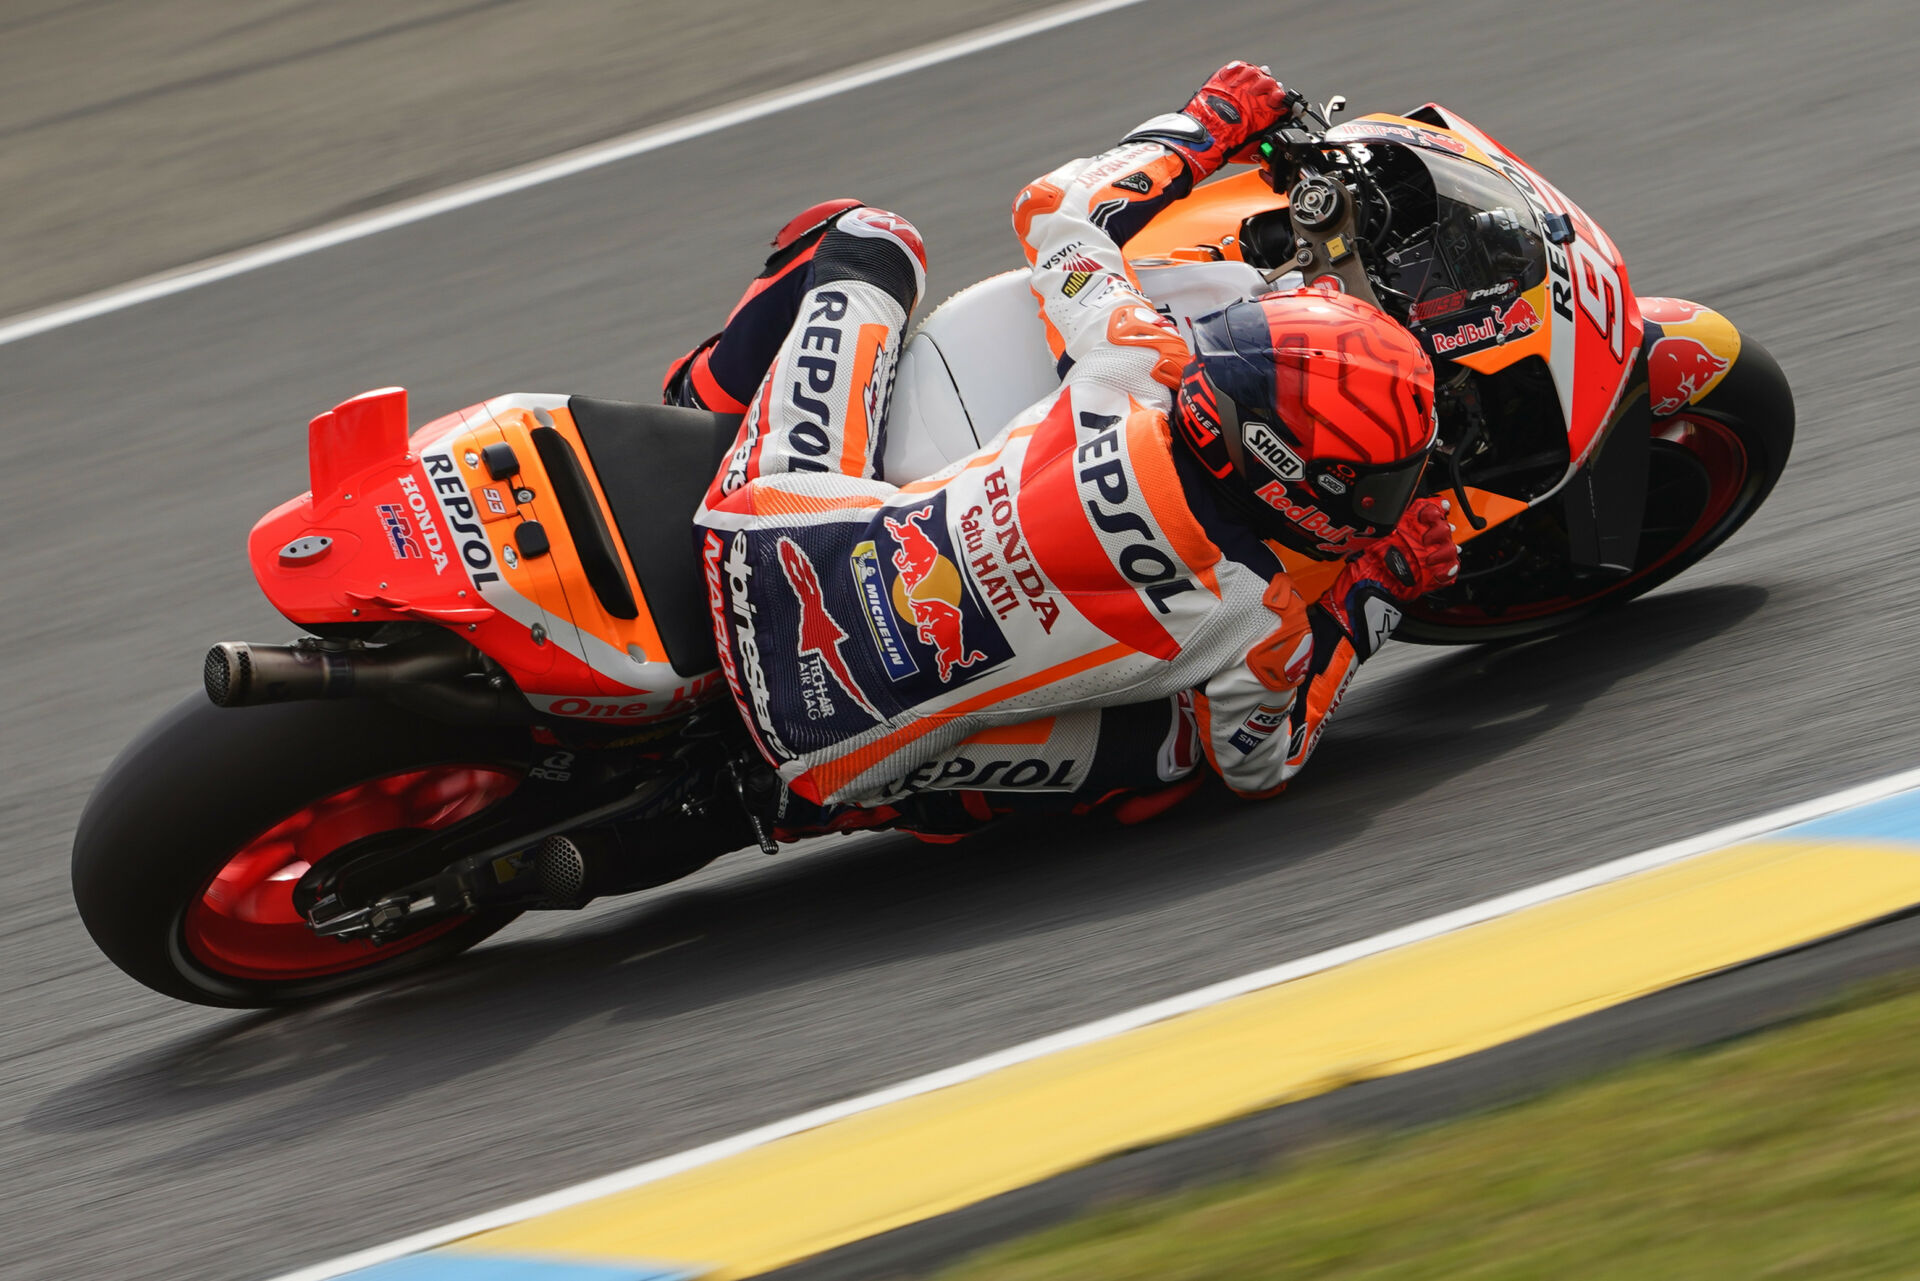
1756	402
202	781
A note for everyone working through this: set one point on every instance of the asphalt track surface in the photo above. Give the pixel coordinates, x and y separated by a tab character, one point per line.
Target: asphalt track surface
1761	158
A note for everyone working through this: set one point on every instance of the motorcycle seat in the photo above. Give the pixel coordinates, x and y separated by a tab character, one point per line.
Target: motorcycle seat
653	463
977	359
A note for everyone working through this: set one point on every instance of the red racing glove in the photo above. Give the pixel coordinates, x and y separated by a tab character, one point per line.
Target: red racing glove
1418	557
1239	102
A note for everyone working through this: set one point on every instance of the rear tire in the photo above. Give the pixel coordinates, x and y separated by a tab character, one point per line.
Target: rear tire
1730	448
202	786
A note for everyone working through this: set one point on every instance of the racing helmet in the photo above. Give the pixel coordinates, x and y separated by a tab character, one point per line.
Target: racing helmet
1313	413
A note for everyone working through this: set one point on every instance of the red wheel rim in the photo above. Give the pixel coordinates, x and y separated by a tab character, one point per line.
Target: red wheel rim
244	923
1717	449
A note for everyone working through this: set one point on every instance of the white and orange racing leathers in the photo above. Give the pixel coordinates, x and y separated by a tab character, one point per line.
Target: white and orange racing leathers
1066	610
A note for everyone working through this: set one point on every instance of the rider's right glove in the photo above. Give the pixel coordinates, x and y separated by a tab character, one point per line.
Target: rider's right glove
1418	557
1238	103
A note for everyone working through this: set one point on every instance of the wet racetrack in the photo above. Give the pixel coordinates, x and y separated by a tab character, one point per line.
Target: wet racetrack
1760	158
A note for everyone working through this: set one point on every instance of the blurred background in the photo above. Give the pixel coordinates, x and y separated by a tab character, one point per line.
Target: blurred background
1760	157
140	136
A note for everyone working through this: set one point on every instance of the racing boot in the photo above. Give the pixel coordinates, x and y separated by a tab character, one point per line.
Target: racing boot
721	373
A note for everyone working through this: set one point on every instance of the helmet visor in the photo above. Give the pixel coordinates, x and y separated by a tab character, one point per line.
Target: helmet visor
1380	494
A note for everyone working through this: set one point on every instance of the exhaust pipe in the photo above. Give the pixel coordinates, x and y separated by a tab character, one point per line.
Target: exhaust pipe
238	674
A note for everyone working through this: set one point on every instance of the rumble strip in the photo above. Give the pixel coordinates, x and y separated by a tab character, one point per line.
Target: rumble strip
1431	991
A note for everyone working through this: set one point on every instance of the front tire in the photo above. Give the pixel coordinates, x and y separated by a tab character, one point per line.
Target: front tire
1710	468
188	849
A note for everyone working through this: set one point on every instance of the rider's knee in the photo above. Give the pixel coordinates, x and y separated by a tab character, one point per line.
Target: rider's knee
883	249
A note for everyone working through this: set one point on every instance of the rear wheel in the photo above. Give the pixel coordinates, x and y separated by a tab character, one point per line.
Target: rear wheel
1709	469
189	851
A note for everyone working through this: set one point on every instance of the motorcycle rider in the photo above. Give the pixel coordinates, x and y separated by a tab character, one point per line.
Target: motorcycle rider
1083	607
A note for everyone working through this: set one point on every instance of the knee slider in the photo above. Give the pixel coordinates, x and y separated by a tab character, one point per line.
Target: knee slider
802	232
883	249
811	220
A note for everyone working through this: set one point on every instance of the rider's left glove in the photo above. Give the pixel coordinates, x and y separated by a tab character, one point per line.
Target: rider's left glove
1237	104
1418	557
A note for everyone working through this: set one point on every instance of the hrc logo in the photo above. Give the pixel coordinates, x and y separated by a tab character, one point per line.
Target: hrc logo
399	529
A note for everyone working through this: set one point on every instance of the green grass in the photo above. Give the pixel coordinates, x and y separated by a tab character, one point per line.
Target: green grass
1792	1153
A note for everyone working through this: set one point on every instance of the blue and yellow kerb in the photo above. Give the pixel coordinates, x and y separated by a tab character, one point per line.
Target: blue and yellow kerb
1396	1010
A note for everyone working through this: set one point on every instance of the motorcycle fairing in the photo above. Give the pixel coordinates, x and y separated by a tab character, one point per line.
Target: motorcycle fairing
427	533
1210	217
418	530
1591	354
1592	329
1690	348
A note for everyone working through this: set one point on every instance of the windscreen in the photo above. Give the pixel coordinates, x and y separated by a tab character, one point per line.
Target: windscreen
1486	245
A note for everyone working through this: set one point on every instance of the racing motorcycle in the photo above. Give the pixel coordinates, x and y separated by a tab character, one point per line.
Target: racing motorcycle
507	696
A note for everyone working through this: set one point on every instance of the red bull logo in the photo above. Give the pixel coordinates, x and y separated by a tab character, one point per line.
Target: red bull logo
927	592
820	636
1517	318
1679	370
1514	320
1471	336
1670	311
1308	517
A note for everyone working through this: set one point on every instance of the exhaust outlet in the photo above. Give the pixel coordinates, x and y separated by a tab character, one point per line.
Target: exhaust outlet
564	867
242	675
239	674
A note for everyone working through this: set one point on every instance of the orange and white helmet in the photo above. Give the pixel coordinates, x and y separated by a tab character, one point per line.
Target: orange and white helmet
1314	412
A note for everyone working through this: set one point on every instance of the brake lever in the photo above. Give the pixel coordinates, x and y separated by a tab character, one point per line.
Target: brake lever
1474	518
1467	440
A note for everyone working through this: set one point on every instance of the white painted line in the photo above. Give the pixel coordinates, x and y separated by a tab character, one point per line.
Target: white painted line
13	329
1114	1025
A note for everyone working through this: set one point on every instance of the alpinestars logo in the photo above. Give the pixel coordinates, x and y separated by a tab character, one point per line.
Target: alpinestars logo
1379	617
1137	181
731	589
